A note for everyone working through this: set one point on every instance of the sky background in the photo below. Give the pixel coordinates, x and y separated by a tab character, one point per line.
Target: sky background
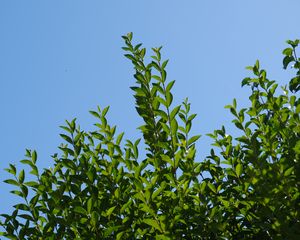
59	59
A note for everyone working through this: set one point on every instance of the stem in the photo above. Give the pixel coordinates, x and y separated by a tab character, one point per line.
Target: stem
169	120
295	55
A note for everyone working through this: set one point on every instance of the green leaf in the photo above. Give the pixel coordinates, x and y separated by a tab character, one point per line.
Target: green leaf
110	211
152	223
119	138
193	139
72	124
288	52
288	171
80	210
138	184
34	171
174	126
66	138
12	169
21	176
294	44
31	184
140	78
169	99
22	206
129	36
130	57
169	86
18	193
191	117
26	216
144	207
287	60
238	124
297	146
126	206
147	76
164	64
294	84
163	115
234	103
163	76
94	218
90	204
238	169
66	129
68	163
11	182
95	114
27	162
34	156
174	112
155	65
137	47
246	81
78	137
257	64
167	159
212	187
156	78
34	201
159	190
162	101
120	235
143	52
104	111
233	111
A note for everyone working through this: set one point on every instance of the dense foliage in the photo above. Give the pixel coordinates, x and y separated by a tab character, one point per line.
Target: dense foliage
102	188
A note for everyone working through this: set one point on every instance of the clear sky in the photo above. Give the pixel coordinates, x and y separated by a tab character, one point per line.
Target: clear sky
61	58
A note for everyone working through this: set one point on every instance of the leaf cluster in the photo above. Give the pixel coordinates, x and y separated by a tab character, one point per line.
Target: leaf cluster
101	187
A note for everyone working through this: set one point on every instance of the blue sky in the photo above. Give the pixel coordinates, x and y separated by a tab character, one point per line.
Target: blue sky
60	59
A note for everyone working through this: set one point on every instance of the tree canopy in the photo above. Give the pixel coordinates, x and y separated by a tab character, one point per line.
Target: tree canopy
101	187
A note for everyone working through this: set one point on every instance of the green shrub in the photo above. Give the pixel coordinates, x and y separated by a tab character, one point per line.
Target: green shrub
101	188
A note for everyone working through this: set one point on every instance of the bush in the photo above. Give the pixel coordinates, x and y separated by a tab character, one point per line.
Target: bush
101	188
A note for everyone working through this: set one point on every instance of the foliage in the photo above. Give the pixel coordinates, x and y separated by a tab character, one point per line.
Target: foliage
102	188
